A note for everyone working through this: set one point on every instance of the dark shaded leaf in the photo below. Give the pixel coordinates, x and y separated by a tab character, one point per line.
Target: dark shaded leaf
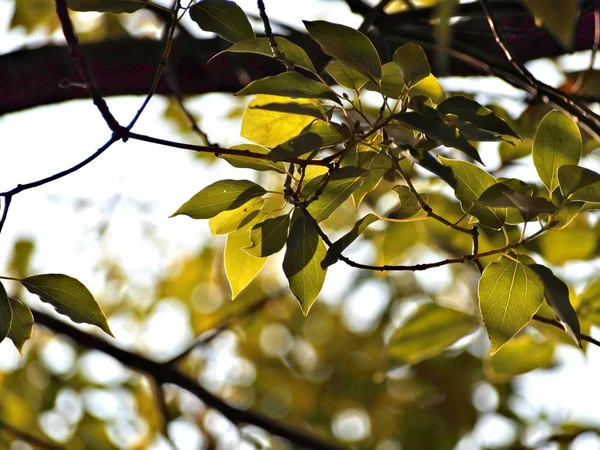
222	17
342	243
269	236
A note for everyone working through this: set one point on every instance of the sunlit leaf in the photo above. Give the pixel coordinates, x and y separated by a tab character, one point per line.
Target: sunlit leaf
557	143
21	325
348	45
6	313
501	195
557	296
222	17
290	84
261	46
520	355
220	196
376	165
409	204
271	120
302	262
579	183
269	236
112	6
69	297
319	134
248	162
428	332
228	221
392	84
577	241
510	293
413	64
346	76
428	87
333	253
559	17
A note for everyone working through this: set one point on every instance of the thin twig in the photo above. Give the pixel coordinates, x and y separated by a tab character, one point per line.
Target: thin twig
28	437
582	75
277	54
376	13
5	206
557	324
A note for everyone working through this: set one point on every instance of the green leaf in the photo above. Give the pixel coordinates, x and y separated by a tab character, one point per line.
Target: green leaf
413	64
271	120
290	84
560	17
21	325
317	135
471	183
557	296
409	204
69	297
240	267
112	6
579	184
334	252
392	84
302	261
248	162
557	142
510	293
428	332
341	184
269	236
348	45
222	17
261	46
234	219
428	87
430	122
376	165
521	355
478	115
6	313
345	76
501	195
218	197
577	241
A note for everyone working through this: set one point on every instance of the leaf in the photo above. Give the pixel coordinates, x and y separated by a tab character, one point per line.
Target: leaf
413	64
334	252
302	261
430	122
69	297
345	76
577	241
501	195
240	267
269	236
222	17
21	325
520	355
218	197
317	135
428	332
409	204
271	120
231	220
392	84
6	313
557	142
341	184
471	183
261	46
579	183
290	84
376	165
560	17
510	293
557	296
248	162
478	115
428	87
112	6
348	45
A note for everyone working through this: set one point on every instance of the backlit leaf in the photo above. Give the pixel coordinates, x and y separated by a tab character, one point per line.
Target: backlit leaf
69	297
557	143
428	87
409	204
319	134
579	183
218	197
520	355
333	253
348	45
5	313
346	76
413	64
376	165
269	236
302	262
21	325
510	293
392	84
231	220
224	18
248	162
428	332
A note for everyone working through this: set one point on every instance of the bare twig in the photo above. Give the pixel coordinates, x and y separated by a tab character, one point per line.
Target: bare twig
582	75
557	324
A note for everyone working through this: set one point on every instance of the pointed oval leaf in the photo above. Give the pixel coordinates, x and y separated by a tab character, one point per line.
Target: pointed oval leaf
269	236
428	332
218	197
234	219
376	165
413	63
6	313
318	135
302	261
392	83
579	184
348	45
557	142
409	204
261	46
240	267
69	297
510	293
557	296
248	162
21	325
271	120
111	6
290	84
334	252
430	88
346	76
222	17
